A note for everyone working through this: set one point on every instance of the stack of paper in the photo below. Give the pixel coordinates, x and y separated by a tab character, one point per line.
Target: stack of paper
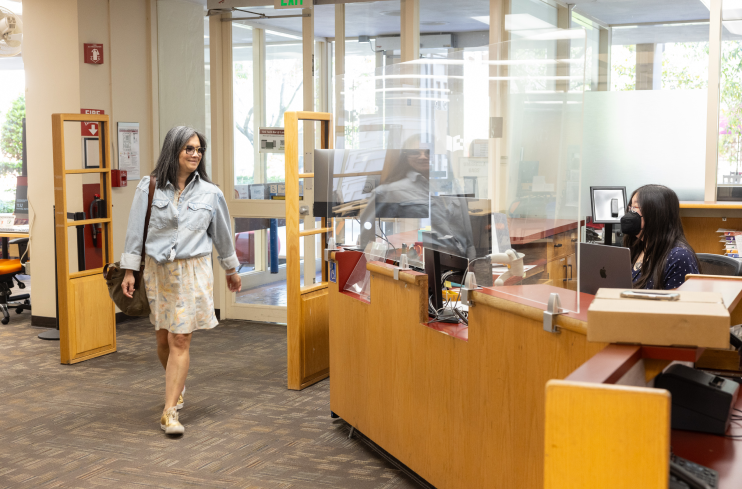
732	240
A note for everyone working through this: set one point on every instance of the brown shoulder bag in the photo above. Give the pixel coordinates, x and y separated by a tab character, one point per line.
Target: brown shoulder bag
114	274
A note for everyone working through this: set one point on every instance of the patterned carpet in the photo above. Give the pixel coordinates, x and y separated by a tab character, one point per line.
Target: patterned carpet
96	424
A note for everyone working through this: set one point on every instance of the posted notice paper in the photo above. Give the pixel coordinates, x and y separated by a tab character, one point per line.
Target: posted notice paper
128	138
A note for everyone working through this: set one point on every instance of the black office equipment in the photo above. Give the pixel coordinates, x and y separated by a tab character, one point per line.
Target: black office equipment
435	264
685	474
700	401
608	205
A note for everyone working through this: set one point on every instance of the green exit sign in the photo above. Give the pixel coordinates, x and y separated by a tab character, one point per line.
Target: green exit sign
279	4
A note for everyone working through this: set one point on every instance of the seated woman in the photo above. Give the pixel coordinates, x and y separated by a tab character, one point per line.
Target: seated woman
660	255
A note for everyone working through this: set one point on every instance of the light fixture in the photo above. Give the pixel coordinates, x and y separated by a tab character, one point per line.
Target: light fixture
433	22
392	13
485	19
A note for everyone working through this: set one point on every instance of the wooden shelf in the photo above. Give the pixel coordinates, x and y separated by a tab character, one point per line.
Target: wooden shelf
690	204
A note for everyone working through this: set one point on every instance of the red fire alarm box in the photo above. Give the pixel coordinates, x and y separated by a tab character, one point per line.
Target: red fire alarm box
94	54
118	178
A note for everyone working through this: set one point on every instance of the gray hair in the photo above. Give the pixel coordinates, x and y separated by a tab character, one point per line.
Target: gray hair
169	161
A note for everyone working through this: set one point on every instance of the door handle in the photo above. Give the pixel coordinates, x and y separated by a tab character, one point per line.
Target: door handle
557	245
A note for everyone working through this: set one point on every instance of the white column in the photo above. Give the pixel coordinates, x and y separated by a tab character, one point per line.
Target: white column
712	104
51	60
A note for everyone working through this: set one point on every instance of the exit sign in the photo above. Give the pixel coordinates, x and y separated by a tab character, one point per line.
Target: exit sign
292	4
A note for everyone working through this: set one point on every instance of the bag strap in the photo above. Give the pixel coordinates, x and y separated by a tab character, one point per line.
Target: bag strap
152	185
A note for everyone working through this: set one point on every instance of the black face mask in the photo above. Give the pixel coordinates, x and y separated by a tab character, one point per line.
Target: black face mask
631	224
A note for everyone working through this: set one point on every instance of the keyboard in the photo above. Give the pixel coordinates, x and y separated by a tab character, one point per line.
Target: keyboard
710	477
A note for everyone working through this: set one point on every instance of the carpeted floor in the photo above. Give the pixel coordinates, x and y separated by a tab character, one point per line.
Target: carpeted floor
96	424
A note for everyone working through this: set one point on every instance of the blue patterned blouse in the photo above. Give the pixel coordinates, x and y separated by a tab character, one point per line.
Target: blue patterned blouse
680	262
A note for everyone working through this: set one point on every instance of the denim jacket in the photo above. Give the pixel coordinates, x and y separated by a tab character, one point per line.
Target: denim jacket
186	231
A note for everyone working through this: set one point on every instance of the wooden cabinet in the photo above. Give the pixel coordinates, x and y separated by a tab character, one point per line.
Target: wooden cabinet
562	272
561	260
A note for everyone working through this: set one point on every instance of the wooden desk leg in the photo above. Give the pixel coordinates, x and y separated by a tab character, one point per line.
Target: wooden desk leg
5	249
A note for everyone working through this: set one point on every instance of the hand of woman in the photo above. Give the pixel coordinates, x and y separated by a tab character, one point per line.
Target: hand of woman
234	282
128	284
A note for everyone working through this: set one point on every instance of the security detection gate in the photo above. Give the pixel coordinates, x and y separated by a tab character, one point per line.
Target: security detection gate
308	338
87	315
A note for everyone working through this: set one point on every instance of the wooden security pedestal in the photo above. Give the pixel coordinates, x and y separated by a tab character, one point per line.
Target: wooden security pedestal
87	319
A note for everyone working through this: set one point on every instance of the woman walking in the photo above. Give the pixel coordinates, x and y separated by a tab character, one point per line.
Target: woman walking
189	214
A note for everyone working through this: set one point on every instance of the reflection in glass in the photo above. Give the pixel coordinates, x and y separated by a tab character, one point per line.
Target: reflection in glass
467	154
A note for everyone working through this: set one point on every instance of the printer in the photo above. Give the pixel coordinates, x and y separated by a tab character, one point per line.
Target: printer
700	401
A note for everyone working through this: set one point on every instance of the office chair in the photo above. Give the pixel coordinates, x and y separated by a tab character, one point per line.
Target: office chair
9	268
719	264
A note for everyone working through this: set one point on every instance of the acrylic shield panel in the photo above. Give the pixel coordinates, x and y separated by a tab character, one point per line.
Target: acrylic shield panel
467	153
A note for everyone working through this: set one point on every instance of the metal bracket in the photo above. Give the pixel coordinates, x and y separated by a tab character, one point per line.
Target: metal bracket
464	296
397	270
553	309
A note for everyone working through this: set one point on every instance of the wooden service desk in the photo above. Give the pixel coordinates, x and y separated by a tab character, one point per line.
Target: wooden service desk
606	426
462	411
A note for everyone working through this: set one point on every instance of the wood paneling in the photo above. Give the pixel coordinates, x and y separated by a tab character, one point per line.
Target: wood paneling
600	435
94	327
462	414
701	232
315	341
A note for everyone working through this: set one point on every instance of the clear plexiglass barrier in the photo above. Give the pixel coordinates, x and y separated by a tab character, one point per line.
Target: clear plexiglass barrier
465	162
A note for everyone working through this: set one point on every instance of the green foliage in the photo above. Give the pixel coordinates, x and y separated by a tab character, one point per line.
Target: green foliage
10	168
685	66
623	60
11	136
730	102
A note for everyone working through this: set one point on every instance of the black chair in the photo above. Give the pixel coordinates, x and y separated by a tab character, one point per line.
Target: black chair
719	264
9	268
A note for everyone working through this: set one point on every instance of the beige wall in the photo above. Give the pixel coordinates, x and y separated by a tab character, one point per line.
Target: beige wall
50	55
57	80
182	78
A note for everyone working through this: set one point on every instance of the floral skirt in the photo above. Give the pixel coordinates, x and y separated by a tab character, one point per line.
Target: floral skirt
180	294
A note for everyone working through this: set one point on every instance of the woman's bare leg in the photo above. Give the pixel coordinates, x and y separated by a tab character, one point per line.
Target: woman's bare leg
177	367
163	347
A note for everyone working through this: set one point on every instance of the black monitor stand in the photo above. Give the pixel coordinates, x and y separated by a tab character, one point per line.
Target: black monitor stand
608	238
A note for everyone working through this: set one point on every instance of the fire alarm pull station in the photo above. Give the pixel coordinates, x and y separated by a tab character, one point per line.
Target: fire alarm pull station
118	178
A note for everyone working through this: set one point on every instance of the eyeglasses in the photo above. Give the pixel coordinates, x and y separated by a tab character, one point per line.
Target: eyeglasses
634	209
190	149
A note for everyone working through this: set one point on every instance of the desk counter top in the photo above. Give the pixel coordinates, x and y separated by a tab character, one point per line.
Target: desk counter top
691	204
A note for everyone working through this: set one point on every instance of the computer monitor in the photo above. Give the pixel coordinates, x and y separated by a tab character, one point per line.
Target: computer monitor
608	204
372	183
437	263
462	226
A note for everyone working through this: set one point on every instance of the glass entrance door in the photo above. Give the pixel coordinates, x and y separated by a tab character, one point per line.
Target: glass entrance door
267	81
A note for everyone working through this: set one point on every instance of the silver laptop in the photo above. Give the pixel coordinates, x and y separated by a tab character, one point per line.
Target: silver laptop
604	266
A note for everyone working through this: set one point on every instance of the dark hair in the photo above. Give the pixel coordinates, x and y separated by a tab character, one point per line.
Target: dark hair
402	167
663	231
169	161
